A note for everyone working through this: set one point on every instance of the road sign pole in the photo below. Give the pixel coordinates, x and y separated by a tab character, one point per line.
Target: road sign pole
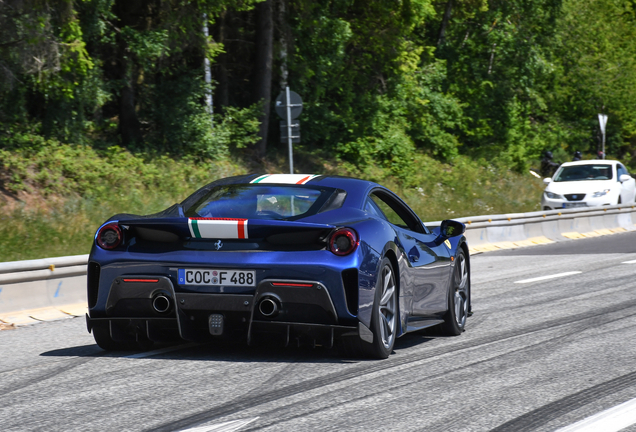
289	133
288	106
602	120
603	144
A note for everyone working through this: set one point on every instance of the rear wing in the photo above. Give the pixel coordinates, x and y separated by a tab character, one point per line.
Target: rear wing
184	229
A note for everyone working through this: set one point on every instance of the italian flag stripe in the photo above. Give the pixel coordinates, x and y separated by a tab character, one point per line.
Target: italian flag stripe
218	228
260	179
194	228
242	228
285	178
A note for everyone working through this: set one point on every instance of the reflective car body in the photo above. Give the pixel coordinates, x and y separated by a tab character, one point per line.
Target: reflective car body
288	257
588	183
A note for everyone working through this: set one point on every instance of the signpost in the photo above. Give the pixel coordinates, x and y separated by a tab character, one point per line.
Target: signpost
289	106
602	119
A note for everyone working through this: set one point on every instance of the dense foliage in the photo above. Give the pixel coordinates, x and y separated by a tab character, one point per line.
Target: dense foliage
382	80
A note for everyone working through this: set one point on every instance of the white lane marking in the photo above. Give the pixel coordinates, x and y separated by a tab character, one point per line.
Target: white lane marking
610	420
554	276
160	351
230	426
629	262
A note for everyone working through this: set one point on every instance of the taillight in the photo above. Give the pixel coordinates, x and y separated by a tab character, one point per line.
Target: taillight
109	236
343	241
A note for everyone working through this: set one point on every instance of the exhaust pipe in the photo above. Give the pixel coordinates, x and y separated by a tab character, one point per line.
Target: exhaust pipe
161	303
269	306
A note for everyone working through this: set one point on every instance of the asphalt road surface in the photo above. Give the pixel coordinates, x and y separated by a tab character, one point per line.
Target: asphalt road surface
537	356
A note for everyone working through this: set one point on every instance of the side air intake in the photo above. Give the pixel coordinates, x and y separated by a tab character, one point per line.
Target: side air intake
350	284
93	283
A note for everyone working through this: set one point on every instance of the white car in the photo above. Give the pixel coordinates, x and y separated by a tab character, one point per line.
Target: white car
588	183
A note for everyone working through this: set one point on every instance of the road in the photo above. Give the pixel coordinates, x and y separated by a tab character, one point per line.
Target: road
536	356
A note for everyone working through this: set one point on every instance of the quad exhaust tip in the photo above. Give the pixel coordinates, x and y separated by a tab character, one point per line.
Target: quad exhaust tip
269	307
161	303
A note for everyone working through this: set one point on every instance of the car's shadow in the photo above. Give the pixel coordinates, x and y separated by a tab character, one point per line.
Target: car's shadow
91	350
218	352
234	352
411	340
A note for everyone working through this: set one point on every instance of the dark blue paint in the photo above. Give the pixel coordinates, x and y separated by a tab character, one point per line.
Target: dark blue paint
424	265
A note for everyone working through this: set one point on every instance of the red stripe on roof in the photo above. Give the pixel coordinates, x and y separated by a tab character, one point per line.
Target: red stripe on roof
303	180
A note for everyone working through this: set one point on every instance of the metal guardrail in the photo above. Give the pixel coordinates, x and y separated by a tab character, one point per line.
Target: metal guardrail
539	216
517	229
45	263
41	269
41	285
545	215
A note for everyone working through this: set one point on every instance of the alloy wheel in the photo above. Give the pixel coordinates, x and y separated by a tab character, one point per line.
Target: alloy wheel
461	290
387	308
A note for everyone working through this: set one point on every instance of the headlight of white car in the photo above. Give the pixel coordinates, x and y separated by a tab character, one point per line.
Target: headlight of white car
600	193
552	195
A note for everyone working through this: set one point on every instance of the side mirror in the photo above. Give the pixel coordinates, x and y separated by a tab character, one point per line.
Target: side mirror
451	228
624	177
547	180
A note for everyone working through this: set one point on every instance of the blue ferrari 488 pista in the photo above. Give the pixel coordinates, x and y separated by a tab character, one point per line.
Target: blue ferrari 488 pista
291	258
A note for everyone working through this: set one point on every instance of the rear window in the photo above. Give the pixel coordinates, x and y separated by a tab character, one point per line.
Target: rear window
584	172
259	202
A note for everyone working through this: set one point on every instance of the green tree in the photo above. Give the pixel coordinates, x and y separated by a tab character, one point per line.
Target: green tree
102	69
371	87
499	65
597	74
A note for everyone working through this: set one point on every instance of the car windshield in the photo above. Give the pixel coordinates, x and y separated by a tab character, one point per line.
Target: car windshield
584	172
259	202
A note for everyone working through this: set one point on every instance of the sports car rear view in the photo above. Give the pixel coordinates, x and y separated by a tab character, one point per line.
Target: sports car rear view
285	258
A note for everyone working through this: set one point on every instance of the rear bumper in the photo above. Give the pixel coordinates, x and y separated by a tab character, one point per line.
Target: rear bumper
288	308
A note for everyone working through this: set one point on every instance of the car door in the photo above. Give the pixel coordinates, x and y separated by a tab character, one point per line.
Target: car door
427	271
628	188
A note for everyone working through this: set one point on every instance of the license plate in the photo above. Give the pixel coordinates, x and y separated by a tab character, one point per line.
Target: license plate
572	205
212	277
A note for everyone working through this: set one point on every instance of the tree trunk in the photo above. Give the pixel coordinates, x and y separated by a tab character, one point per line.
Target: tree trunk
283	30
445	19
128	13
263	68
224	94
129	125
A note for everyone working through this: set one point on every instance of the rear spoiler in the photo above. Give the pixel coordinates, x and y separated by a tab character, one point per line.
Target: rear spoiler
273	231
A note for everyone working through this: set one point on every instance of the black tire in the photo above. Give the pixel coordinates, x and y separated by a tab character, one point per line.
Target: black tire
458	298
384	320
385	315
101	334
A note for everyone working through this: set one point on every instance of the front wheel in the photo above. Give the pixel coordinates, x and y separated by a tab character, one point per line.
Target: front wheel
458	298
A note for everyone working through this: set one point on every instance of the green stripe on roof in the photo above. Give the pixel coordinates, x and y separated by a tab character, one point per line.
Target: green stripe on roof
261	178
195	228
